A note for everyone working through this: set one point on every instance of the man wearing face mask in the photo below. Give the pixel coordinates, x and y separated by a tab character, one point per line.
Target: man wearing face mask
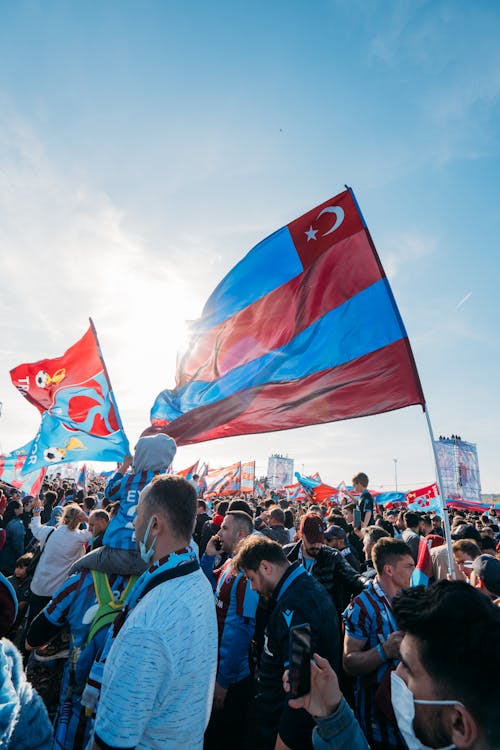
445	691
159	675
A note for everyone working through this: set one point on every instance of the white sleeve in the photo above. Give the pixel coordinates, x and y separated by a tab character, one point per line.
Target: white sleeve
138	667
40	531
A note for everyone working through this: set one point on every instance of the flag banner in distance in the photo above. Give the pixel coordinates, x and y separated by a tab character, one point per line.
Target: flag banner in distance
11	472
303	330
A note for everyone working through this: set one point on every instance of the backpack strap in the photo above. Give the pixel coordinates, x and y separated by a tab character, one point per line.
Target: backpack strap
167	575
108	606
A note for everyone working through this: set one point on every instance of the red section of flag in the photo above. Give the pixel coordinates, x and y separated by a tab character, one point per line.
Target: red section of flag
189	471
277	318
423	494
324	492
39	381
424	562
350	390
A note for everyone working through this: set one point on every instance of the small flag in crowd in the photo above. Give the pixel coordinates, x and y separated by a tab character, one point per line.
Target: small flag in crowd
11	472
303	330
423	568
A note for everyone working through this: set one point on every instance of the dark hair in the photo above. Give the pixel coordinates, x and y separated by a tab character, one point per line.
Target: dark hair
89	501
384	524
175	498
386	550
241	520
202	504
361	479
254	549
458	633
411	519
25	560
289	521
10	511
337	519
50	498
222	506
488	543
240	505
277	514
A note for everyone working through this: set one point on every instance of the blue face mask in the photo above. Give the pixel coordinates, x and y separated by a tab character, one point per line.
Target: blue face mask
147	554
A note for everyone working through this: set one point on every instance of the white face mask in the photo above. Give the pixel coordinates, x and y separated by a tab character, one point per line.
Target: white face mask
403	704
147	554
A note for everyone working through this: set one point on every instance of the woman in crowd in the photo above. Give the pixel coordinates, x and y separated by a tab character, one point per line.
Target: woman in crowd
62	547
14	537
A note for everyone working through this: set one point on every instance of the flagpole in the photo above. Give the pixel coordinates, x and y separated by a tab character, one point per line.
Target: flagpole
444	509
106	375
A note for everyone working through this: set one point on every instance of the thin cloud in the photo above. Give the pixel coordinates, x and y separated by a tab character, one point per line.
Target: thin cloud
464	300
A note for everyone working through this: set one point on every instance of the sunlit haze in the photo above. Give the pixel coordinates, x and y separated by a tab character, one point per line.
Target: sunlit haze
146	147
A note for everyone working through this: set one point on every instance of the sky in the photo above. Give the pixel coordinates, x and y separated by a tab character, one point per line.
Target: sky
145	147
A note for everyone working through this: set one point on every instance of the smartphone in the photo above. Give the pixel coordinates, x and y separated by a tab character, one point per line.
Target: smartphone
300	660
356	518
217	544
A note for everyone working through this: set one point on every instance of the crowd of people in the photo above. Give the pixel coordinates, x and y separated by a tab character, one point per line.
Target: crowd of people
140	613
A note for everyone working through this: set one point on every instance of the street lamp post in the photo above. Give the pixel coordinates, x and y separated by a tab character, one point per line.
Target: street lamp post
396	472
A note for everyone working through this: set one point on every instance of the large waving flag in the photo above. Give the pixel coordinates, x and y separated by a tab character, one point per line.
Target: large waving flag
11	472
80	419
303	330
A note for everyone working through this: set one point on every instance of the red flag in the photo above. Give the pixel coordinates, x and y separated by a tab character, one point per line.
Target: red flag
40	381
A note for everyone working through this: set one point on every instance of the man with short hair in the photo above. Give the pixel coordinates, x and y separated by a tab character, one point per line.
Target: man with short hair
371	643
159	675
294	598
411	533
327	565
445	691
485	576
465	552
276	526
371	535
439	700
439	555
235	607
97	522
336	538
201	518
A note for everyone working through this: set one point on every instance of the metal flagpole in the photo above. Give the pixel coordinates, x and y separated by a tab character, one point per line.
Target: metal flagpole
444	509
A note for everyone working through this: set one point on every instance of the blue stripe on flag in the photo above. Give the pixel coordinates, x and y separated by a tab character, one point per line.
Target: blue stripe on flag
335	339
269	265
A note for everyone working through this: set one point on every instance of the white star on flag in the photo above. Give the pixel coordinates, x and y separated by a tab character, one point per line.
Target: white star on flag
311	233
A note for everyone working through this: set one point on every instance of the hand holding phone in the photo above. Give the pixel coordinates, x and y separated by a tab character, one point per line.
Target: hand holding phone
300	660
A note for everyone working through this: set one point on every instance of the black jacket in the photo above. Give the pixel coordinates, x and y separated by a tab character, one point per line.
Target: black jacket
297	599
333	572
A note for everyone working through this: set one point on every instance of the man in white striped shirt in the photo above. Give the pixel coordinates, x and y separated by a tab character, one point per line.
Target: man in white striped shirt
159	675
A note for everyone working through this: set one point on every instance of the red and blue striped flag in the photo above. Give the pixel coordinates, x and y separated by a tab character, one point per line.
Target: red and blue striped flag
303	330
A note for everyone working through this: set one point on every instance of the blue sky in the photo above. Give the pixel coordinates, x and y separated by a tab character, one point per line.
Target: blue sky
145	147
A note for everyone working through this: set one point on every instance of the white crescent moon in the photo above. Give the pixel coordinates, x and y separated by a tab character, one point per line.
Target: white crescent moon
339	214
